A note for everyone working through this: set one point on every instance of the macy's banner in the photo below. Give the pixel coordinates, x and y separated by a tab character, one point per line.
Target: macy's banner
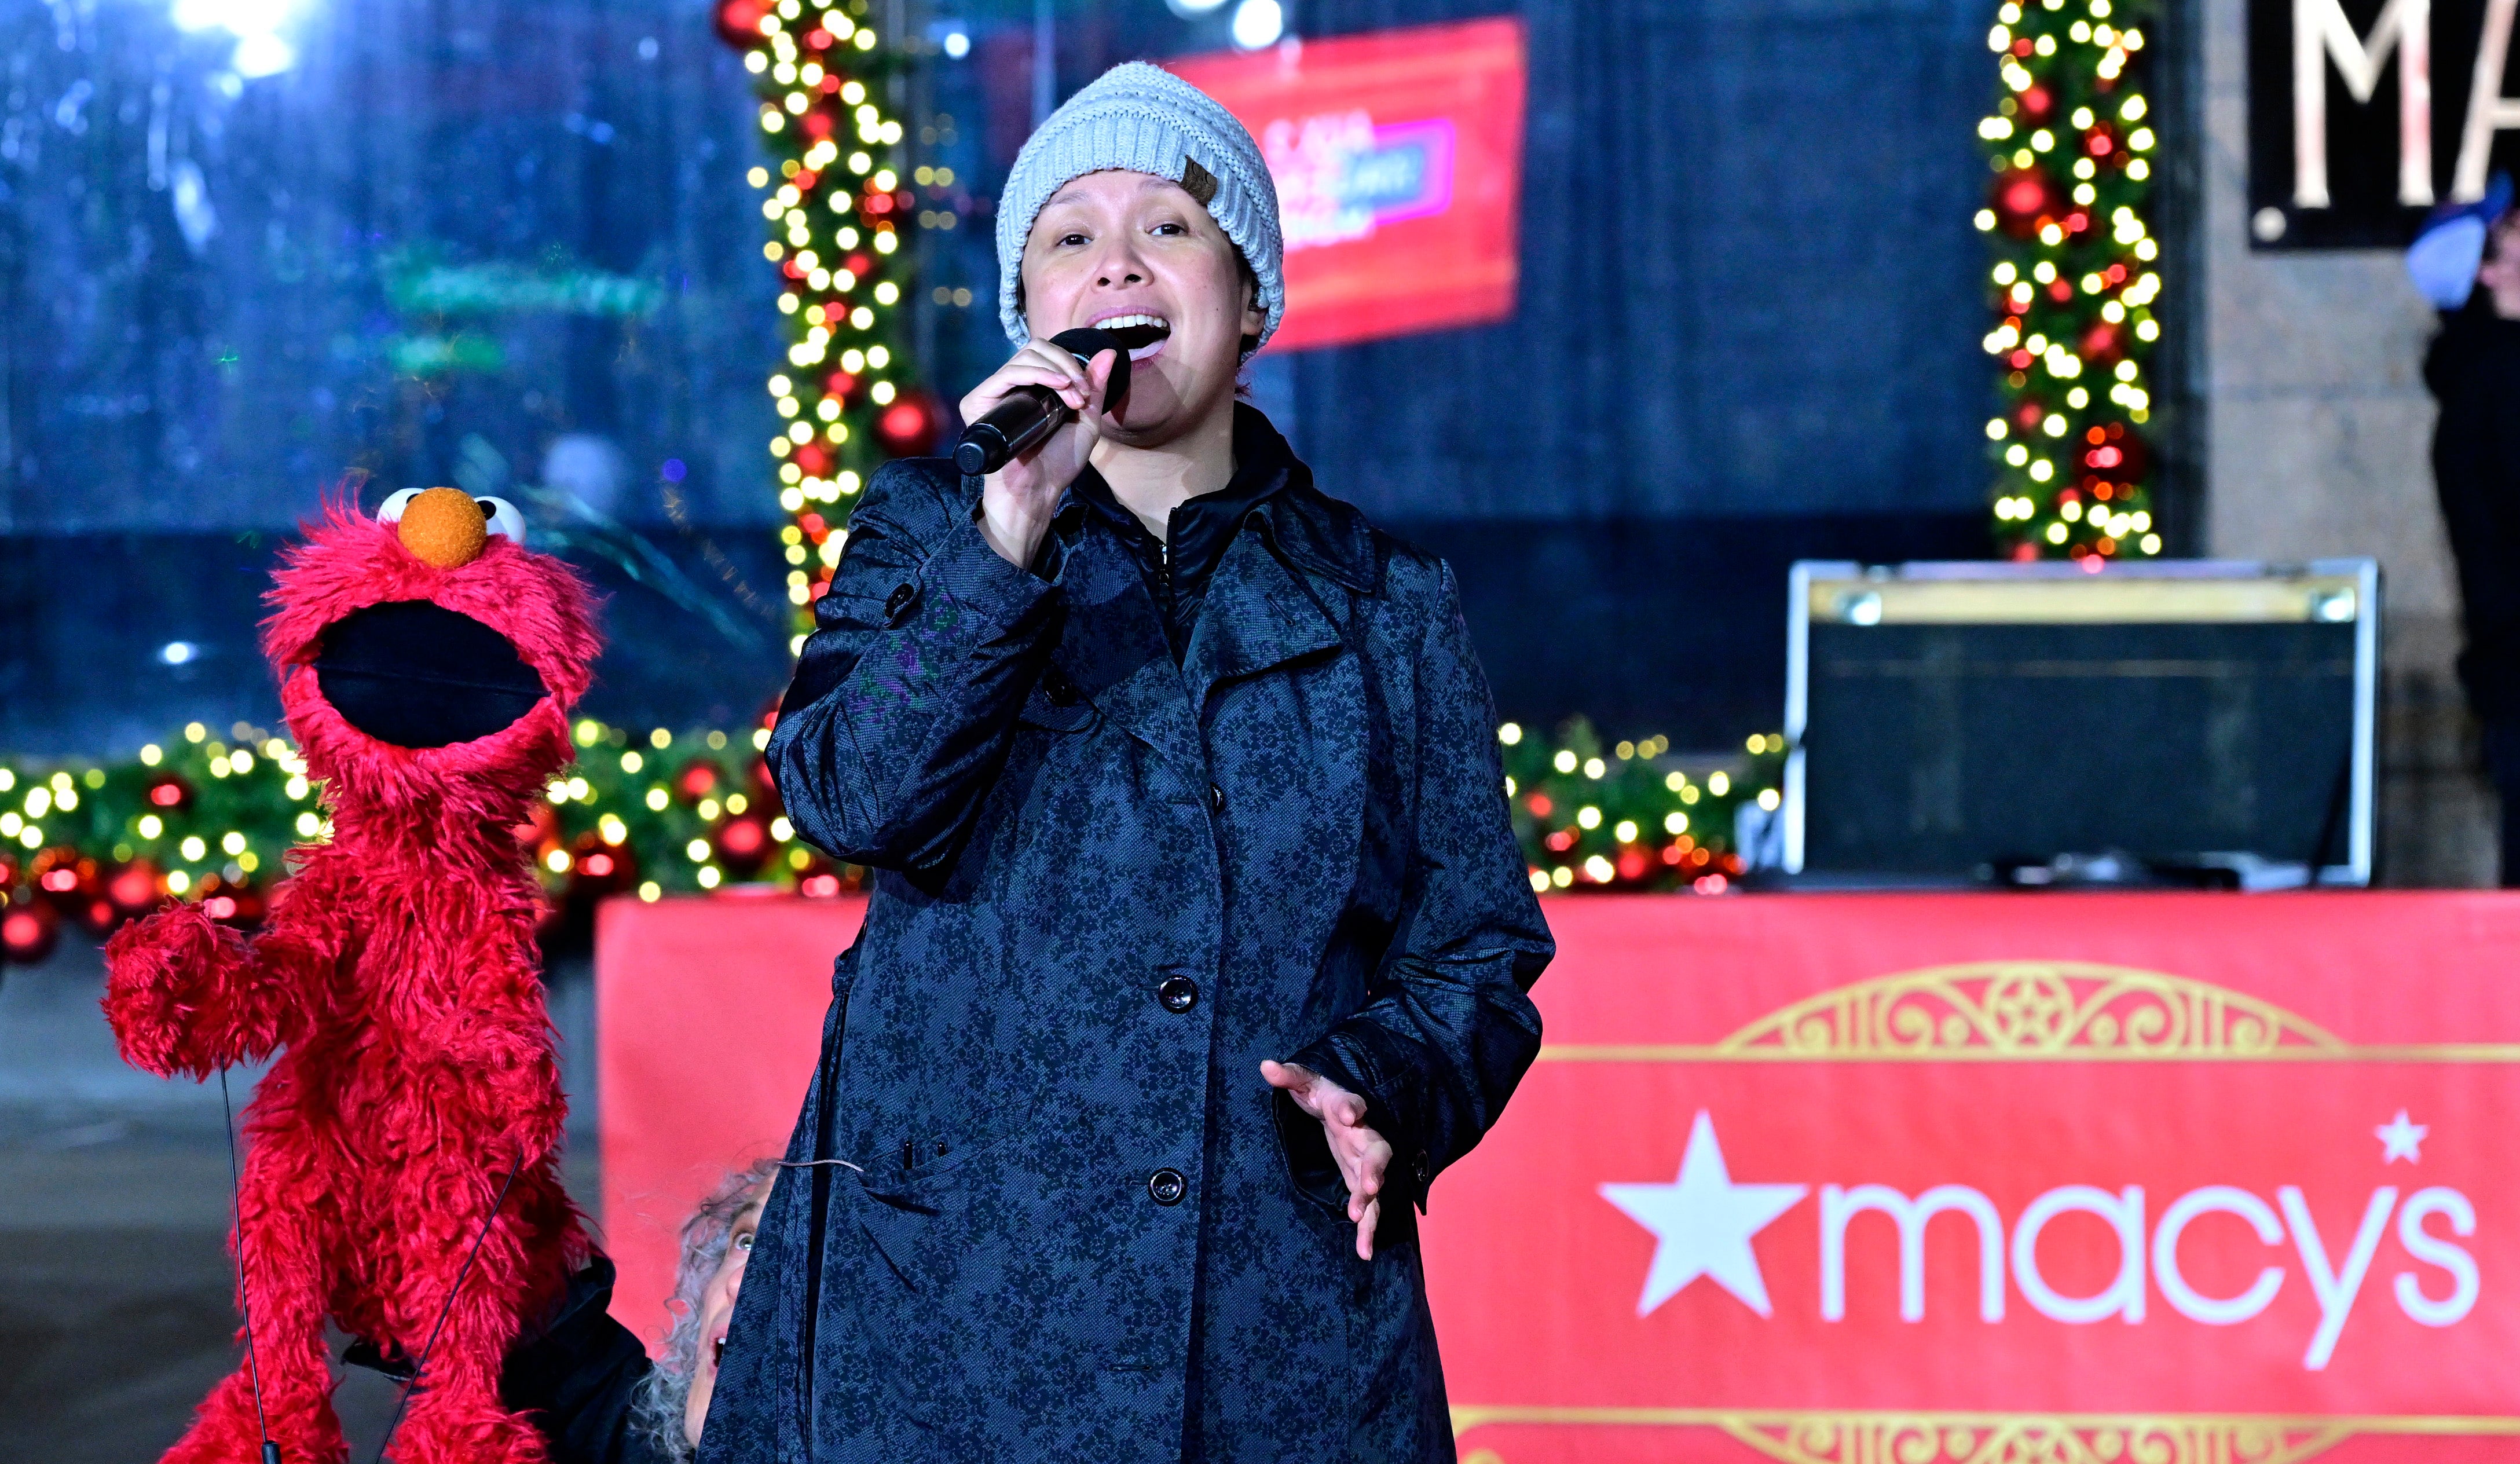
1866	1179
1901	1180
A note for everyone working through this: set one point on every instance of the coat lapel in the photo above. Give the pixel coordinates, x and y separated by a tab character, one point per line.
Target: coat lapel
1258	615
1113	651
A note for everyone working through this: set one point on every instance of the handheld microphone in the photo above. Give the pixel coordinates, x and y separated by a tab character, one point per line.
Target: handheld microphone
1031	413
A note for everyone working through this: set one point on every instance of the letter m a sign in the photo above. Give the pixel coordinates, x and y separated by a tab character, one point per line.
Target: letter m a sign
2363	114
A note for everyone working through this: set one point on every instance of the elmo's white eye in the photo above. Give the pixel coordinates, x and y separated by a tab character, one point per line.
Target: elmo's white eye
391	511
505	521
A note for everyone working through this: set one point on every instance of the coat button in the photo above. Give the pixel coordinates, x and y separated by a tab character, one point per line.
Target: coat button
1178	994
1215	798
899	600
1166	1186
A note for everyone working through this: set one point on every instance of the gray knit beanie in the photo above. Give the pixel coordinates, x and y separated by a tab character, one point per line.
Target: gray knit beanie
1145	119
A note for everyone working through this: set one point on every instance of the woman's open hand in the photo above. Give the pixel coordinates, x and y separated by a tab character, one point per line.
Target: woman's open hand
1363	1154
1017	500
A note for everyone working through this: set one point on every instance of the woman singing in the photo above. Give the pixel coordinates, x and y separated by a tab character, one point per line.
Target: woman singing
1199	940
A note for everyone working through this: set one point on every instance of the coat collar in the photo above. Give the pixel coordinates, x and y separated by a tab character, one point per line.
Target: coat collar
1259	614
1312	530
1268	604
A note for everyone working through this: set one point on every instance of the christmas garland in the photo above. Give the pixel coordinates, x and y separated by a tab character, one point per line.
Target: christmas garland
2074	283
836	207
212	820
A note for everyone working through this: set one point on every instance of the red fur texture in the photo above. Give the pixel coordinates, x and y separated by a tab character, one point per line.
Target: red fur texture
398	977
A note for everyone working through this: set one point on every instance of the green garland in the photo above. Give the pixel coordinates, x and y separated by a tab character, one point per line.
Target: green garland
2074	283
212	820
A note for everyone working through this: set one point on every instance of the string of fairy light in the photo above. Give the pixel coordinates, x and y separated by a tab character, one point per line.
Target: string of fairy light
2073	284
212	819
835	204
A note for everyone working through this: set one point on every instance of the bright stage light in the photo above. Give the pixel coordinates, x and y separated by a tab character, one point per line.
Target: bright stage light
263	54
957	44
239	16
1258	24
1191	8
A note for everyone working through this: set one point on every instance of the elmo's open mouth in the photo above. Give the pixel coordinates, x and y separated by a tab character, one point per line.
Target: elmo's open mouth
420	675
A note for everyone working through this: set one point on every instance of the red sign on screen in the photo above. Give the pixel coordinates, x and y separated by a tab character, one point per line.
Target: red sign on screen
1398	158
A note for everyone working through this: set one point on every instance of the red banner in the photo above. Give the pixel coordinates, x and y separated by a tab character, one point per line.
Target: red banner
708	1016
1864	1179
1398	158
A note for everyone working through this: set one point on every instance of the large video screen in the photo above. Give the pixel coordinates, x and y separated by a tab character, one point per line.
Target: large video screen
1398	158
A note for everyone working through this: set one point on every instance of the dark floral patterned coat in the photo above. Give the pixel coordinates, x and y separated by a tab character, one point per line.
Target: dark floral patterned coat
1063	1217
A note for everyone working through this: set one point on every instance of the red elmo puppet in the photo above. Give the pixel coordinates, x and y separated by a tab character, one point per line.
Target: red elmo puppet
402	1175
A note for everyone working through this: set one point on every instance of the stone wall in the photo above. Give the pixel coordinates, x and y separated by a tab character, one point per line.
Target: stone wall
2315	437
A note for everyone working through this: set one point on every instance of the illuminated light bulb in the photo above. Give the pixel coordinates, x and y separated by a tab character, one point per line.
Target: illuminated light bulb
1588	817
1675	823
1564	761
656	800
151	825
1718	783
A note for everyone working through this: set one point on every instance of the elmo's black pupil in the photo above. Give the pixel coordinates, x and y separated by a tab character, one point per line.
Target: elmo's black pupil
420	675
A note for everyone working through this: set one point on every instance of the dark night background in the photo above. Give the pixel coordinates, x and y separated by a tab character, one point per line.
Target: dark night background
1748	331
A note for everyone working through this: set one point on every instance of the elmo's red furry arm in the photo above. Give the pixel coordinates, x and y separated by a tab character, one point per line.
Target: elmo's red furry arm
186	994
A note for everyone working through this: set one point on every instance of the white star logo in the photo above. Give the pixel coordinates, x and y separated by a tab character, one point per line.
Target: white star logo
1702	1224
2399	1139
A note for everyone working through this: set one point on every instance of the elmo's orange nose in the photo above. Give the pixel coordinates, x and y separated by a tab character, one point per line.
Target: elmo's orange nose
445	527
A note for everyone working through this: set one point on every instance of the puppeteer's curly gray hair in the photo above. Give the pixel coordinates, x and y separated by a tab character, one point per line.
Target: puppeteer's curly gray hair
665	1392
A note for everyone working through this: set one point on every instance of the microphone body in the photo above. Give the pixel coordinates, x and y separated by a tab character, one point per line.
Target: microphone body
1029	413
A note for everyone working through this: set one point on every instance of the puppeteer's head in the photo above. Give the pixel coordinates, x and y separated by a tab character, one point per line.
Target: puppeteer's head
426	655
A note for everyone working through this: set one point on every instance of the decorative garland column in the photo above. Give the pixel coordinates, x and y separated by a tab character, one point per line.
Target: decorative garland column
836	205
2074	279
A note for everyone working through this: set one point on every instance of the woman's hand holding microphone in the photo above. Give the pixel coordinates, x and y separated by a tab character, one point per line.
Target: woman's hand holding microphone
1017	500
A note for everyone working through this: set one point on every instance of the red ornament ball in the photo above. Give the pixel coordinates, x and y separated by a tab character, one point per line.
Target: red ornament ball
908	426
739	22
28	931
133	888
743	844
2023	196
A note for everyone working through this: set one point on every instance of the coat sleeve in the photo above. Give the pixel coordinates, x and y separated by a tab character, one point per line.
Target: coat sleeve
1451	1028
905	697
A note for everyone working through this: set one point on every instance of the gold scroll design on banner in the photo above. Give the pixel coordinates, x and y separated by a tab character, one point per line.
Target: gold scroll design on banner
1924	1439
2032	1011
1904	1437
